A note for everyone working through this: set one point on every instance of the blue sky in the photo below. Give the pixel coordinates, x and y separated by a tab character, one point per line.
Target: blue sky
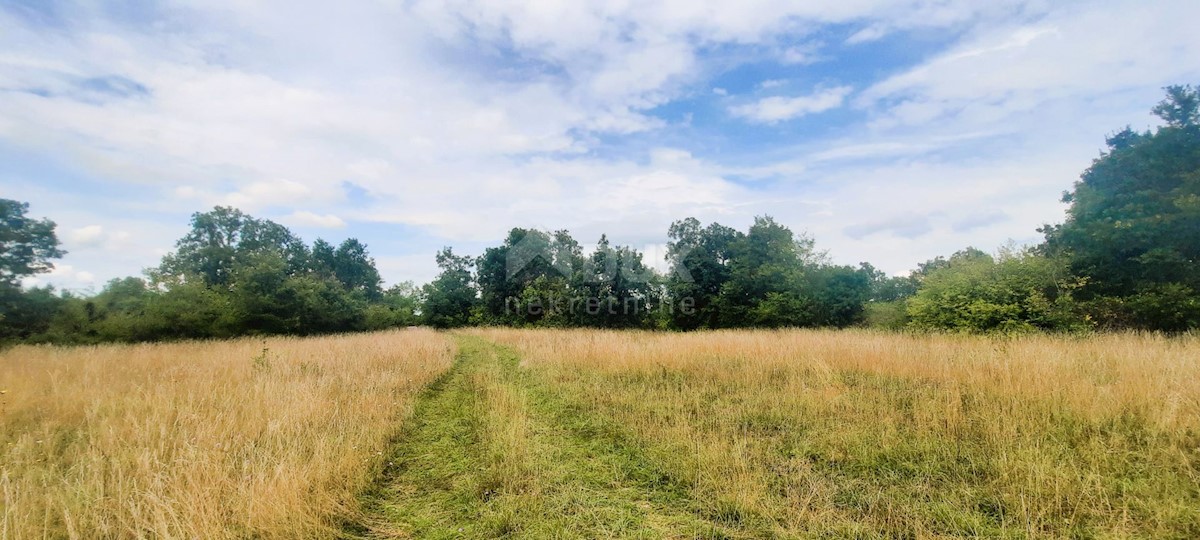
891	131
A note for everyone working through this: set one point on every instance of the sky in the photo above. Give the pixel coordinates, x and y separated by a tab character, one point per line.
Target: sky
890	131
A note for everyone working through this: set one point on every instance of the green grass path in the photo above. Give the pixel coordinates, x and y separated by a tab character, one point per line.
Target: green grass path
493	452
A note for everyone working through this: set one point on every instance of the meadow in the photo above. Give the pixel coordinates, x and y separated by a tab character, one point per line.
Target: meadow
484	433
867	434
269	438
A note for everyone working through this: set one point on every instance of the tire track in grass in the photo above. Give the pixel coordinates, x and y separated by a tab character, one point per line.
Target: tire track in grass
492	452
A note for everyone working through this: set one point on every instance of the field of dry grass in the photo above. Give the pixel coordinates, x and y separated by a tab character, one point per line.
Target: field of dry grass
256	438
586	434
854	433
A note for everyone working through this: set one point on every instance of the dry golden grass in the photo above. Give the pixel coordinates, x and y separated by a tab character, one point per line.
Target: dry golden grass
739	433
203	439
856	433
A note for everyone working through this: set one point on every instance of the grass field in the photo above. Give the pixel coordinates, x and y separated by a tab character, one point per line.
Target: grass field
245	438
590	434
859	434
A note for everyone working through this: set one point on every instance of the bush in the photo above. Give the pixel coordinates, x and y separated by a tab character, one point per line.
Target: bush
885	315
1018	292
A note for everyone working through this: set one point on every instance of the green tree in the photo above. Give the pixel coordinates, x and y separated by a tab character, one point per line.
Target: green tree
323	306
224	238
764	286
26	245
399	306
506	272
618	285
1020	291
192	310
701	260
546	302
451	298
1181	108
118	312
355	269
1133	226
261	298
838	294
26	313
323	258
885	288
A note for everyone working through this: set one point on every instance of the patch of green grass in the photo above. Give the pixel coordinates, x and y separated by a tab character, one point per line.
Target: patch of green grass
722	450
883	459
492	452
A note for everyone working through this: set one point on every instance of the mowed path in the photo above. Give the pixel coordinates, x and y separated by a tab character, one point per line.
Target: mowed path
493	452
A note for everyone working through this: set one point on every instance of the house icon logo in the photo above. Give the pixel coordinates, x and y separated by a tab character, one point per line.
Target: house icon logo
534	248
540	253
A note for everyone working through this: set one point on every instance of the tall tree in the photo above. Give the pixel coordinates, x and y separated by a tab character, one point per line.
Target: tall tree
617	287
764	287
355	269
503	271
1133	226
222	239
700	259
885	288
26	245
506	272
323	258
26	248
399	306
451	297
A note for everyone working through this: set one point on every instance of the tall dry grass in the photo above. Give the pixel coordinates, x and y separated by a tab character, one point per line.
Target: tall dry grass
874	434
264	438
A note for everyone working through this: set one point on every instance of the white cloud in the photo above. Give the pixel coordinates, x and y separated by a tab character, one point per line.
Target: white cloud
461	119
309	219
775	109
96	237
271	193
1075	54
63	275
631	201
414	267
808	53
88	236
866	35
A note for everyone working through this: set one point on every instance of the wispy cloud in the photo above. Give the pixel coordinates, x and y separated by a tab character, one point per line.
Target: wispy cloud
449	121
85	236
868	34
309	219
978	221
775	109
905	226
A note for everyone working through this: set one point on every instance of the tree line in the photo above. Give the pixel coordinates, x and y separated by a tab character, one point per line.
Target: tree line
231	275
1125	257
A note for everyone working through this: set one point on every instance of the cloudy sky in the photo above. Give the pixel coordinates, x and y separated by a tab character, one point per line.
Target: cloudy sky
891	131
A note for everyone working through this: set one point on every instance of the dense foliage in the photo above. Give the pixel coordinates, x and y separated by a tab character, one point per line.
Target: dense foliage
719	278
232	274
26	247
1016	291
1126	257
1133	228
